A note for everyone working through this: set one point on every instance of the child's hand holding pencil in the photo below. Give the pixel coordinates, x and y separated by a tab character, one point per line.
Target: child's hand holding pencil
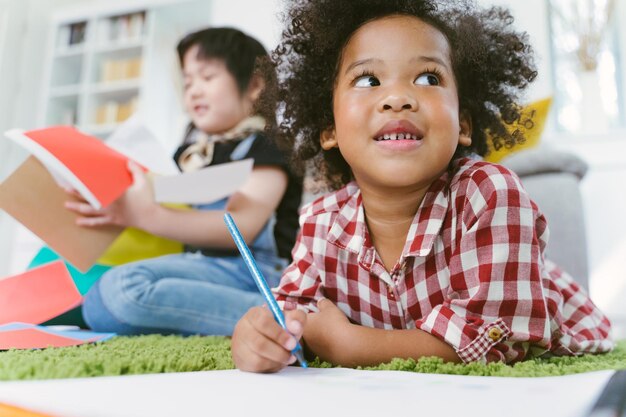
260	344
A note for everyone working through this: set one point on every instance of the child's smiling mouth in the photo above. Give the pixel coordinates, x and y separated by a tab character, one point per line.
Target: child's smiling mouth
398	136
200	109
399	130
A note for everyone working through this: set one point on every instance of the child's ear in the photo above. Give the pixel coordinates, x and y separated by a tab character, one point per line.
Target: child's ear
327	139
465	129
255	88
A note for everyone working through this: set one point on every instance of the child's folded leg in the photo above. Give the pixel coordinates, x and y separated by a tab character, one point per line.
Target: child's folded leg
184	294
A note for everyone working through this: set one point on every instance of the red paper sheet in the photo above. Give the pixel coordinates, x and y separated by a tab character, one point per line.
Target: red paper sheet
34	338
30	336
38	295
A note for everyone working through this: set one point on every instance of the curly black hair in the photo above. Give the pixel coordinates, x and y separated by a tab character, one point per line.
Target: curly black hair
492	64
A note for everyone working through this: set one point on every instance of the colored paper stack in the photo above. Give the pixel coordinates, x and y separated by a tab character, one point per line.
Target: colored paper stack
34	297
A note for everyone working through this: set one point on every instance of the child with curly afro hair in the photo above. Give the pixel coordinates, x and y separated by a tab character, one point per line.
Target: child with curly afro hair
421	249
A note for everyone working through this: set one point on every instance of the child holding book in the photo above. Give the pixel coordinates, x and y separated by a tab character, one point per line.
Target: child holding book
421	250
206	289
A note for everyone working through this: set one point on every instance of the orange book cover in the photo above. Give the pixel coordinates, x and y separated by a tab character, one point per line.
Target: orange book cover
82	162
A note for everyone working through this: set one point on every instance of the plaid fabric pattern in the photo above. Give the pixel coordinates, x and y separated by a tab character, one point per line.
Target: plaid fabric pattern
472	271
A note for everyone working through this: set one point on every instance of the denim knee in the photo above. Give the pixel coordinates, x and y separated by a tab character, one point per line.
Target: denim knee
97	316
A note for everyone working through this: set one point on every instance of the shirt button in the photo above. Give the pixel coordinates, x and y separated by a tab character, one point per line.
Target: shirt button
495	334
390	290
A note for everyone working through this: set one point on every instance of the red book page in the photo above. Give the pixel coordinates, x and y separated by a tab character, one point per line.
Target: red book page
33	338
38	295
103	170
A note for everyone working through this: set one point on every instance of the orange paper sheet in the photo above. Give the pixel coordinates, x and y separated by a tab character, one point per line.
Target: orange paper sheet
38	295
7	410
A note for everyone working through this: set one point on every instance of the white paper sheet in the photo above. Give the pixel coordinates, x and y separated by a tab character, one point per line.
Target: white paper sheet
310	392
203	186
133	139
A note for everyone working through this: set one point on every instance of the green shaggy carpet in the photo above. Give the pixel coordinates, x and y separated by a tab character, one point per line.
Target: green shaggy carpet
160	354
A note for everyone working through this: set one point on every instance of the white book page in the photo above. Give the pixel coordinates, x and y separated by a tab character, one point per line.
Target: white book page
133	139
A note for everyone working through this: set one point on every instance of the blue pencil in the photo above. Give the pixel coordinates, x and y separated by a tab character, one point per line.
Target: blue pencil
260	282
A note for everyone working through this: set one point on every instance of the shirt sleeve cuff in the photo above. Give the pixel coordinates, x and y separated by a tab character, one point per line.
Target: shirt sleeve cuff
488	336
473	342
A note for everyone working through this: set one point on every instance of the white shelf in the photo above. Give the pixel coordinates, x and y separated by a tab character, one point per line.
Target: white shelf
65	91
122	45
106	62
70	51
101	130
115	86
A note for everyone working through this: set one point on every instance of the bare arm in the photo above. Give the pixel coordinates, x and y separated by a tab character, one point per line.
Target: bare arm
330	335
259	344
251	206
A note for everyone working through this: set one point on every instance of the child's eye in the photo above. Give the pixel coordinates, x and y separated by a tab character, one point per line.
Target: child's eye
366	80
428	78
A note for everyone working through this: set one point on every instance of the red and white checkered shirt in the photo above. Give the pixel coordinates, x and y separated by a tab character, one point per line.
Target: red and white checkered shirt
471	273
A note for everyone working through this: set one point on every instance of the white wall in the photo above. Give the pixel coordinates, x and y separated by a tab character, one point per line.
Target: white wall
23	31
8	55
257	18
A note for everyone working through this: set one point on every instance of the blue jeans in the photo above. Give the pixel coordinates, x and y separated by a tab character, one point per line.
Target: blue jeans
185	293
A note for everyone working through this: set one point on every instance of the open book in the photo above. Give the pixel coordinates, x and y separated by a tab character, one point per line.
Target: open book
64	156
78	161
98	170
